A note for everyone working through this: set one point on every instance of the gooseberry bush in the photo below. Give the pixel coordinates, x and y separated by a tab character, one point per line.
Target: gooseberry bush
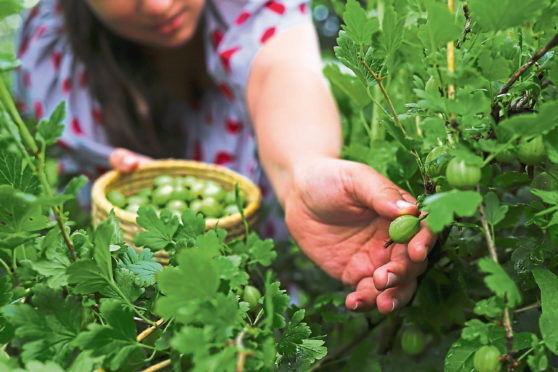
456	103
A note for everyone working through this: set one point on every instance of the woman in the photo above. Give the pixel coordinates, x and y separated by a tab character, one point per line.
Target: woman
233	82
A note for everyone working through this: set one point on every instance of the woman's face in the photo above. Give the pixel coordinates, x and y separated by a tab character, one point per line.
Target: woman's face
156	23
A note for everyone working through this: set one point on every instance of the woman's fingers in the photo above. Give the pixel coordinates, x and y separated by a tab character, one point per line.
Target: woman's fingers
421	244
394	298
126	161
364	296
399	270
369	188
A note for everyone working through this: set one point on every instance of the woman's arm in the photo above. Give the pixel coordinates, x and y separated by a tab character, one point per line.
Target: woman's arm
338	211
294	114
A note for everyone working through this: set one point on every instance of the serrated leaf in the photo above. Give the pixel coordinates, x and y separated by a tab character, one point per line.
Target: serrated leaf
75	184
54	268
49	327
294	334
195	278
260	251
49	130
548	284
500	282
529	125
116	340
349	84
440	28
460	356
494	212
159	233
497	15
358	25
191	340
86	277
142	265
20	177
229	269
550	197
275	303
443	206
492	307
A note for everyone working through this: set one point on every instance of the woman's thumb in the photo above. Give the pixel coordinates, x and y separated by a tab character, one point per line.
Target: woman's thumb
373	190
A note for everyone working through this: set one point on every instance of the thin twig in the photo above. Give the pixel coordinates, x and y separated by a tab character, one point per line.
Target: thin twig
551	44
158	366
149	330
506	320
396	118
528	307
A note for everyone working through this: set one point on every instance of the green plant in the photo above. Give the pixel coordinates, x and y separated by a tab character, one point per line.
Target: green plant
487	359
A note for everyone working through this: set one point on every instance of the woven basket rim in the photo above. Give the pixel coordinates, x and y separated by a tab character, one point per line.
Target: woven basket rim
253	193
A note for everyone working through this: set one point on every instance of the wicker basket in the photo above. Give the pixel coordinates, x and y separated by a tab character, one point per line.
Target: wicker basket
132	183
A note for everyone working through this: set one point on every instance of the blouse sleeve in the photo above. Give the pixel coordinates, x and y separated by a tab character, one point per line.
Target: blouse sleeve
48	75
237	46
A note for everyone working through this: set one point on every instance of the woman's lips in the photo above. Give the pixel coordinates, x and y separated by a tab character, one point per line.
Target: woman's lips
172	24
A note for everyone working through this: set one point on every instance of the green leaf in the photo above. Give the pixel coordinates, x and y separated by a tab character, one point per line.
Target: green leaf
116	340
357	24
142	265
229	269
529	125
275	303
548	283
159	233
192	340
49	327
9	7
75	185
49	130
192	225
503	14
36	366
443	206
126	282
19	216
348	84
494	212
54	268
550	197
195	278
86	277
460	356
294	334
538	361
13	172
260	251
85	361
440	28
492	307
312	350
500	282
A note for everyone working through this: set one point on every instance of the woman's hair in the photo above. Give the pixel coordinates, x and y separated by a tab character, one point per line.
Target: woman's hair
119	78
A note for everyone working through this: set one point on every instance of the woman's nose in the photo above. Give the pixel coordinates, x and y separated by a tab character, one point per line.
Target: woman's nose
156	7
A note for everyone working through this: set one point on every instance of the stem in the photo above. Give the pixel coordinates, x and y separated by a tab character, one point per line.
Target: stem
551	44
6	267
494	154
242	353
158	366
467	26
528	307
396	118
506	321
547	211
8	102
123	296
149	330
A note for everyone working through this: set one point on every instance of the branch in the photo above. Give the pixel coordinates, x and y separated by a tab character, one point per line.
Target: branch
396	118
467	26
158	366
488	237
551	44
536	305
149	330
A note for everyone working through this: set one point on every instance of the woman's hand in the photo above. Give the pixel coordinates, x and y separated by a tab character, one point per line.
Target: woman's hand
339	213
126	161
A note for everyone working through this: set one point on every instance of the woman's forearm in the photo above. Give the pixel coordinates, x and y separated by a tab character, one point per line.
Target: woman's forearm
294	114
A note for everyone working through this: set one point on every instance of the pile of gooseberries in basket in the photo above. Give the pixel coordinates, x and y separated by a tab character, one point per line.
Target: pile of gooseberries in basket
180	193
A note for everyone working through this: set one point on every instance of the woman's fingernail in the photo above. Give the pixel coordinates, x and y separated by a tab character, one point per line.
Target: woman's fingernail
391	279
395	303
403	204
357	305
128	161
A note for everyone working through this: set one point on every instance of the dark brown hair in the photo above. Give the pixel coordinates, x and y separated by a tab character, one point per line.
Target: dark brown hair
119	78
